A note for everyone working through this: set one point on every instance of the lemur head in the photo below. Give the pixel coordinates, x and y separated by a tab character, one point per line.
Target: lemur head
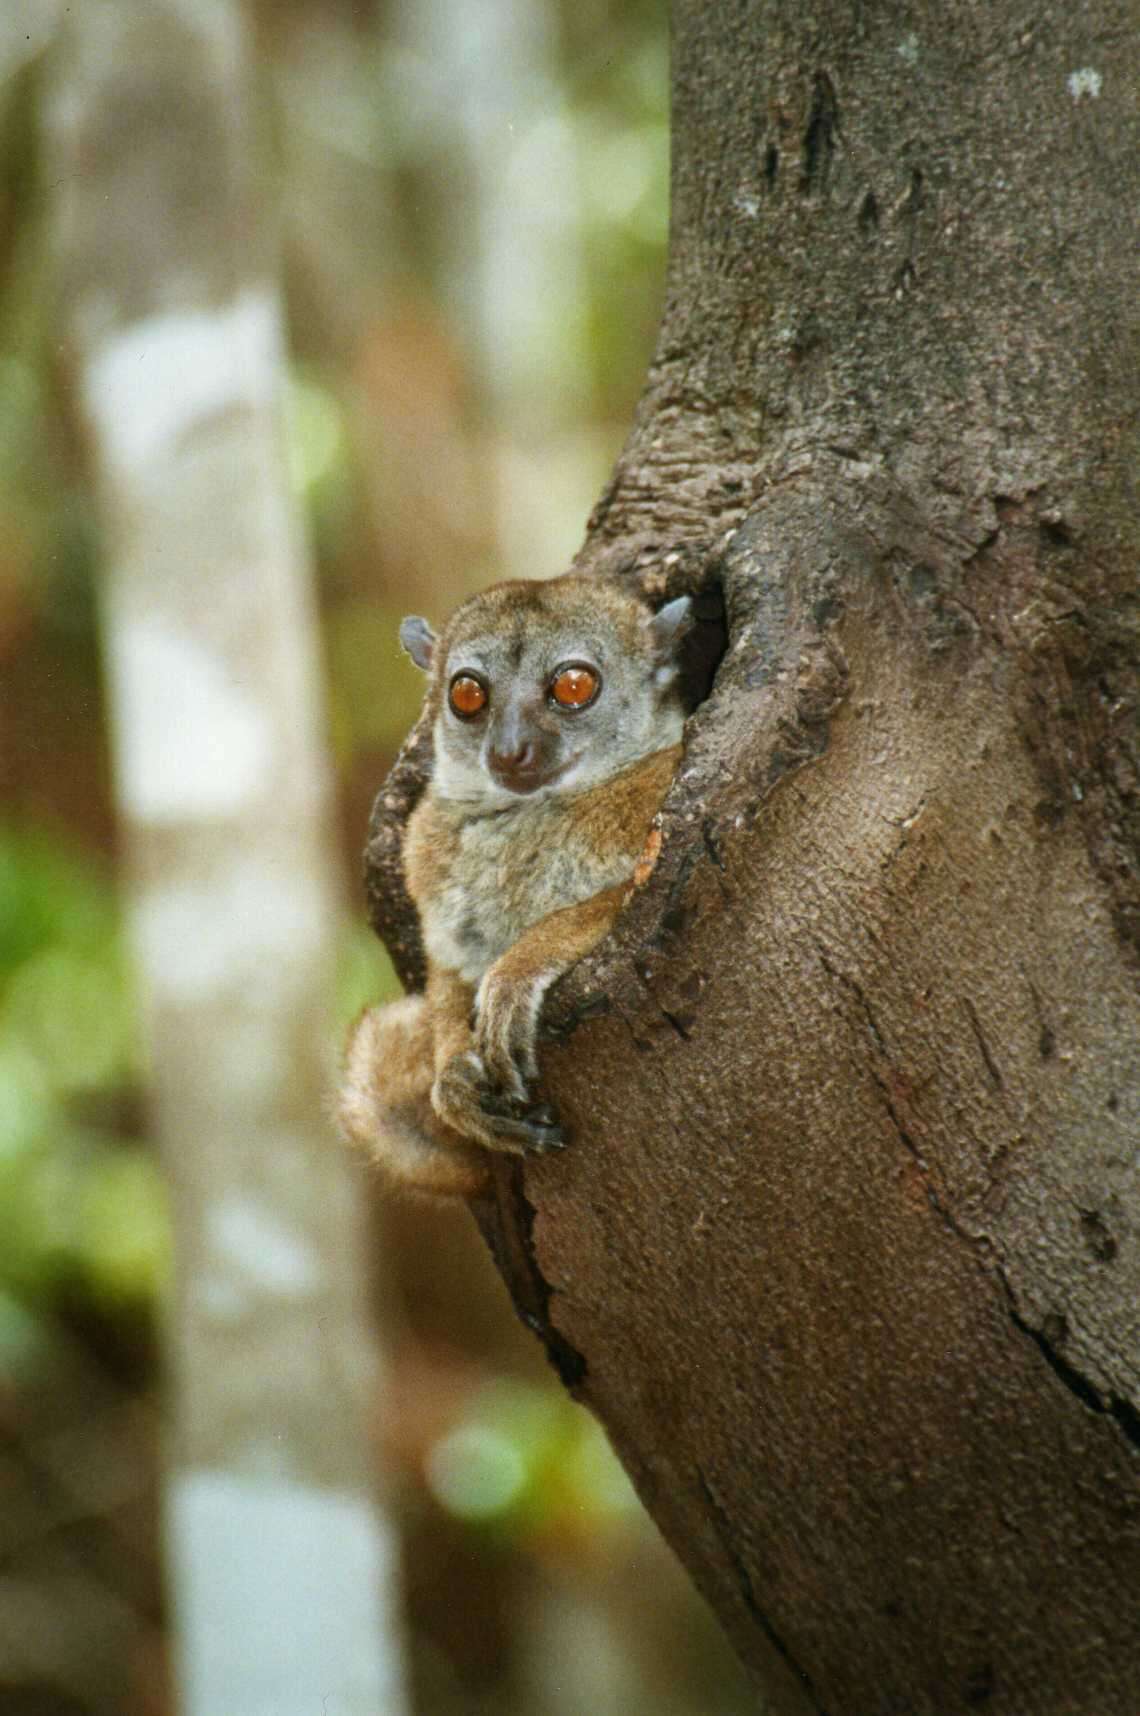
548	687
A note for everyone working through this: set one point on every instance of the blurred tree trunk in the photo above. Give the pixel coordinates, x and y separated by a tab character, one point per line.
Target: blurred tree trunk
846	1253
491	67
282	1567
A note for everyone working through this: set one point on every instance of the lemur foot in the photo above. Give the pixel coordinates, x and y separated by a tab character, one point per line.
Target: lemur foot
537	1129
466	1099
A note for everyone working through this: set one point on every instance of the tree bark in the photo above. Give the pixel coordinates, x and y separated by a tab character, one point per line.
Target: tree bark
846	1252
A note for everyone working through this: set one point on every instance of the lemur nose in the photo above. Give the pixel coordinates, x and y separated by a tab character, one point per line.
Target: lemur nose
520	756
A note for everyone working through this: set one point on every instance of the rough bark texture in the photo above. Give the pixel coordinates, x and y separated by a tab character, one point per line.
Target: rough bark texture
846	1254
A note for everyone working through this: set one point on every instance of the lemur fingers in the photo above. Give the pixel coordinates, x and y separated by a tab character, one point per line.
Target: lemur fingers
506	1029
466	1100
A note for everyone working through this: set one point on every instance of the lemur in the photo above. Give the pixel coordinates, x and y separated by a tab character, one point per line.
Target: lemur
556	722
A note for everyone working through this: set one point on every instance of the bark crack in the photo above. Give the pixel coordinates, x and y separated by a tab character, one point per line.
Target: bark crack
723	1527
983	1047
711	844
820	134
976	1242
1121	1411
681	1023
1116	1406
855	989
506	1220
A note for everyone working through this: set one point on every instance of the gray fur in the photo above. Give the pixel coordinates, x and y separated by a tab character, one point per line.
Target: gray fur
636	713
511	870
513	865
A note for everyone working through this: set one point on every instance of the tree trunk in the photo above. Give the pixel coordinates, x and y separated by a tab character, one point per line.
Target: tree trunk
846	1252
282	1566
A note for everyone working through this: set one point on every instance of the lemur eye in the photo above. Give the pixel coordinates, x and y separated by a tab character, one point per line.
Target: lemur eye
467	695
573	687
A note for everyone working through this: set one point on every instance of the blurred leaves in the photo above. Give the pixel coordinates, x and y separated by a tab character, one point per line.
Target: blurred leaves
527	1462
474	207
65	999
82	1203
375	693
315	435
364	976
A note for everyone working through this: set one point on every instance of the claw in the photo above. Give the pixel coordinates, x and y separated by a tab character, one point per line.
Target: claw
537	1137
499	1104
537	1129
466	1100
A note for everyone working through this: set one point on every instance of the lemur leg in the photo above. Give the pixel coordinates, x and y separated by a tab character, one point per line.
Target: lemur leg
385	1102
509	999
486	1093
450	1002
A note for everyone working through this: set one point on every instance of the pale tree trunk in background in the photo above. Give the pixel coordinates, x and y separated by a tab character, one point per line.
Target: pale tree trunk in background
846	1250
282	1567
26	28
488	77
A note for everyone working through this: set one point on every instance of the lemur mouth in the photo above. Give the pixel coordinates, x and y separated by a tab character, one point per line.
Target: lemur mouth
527	781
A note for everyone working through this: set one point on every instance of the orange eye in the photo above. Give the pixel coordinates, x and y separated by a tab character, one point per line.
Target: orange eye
467	696
574	687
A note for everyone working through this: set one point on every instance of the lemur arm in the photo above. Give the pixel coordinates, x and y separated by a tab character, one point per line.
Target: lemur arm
509	999
483	1091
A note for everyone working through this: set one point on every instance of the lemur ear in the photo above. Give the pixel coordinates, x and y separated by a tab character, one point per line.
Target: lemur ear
668	626
418	639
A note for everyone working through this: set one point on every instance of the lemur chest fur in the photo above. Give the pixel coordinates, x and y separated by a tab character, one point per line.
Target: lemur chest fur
481	881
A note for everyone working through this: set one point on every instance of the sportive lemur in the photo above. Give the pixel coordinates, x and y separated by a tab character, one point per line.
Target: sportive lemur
556	721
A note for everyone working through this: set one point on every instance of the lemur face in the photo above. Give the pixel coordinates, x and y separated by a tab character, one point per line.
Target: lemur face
548	687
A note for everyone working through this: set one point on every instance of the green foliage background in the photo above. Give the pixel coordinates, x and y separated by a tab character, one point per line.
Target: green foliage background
419	460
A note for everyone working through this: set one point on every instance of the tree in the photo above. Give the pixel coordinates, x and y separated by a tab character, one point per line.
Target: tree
282	1566
844	1254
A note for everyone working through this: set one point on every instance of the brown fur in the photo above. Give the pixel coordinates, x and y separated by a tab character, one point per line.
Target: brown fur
385	1104
612	818
510	896
522	605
